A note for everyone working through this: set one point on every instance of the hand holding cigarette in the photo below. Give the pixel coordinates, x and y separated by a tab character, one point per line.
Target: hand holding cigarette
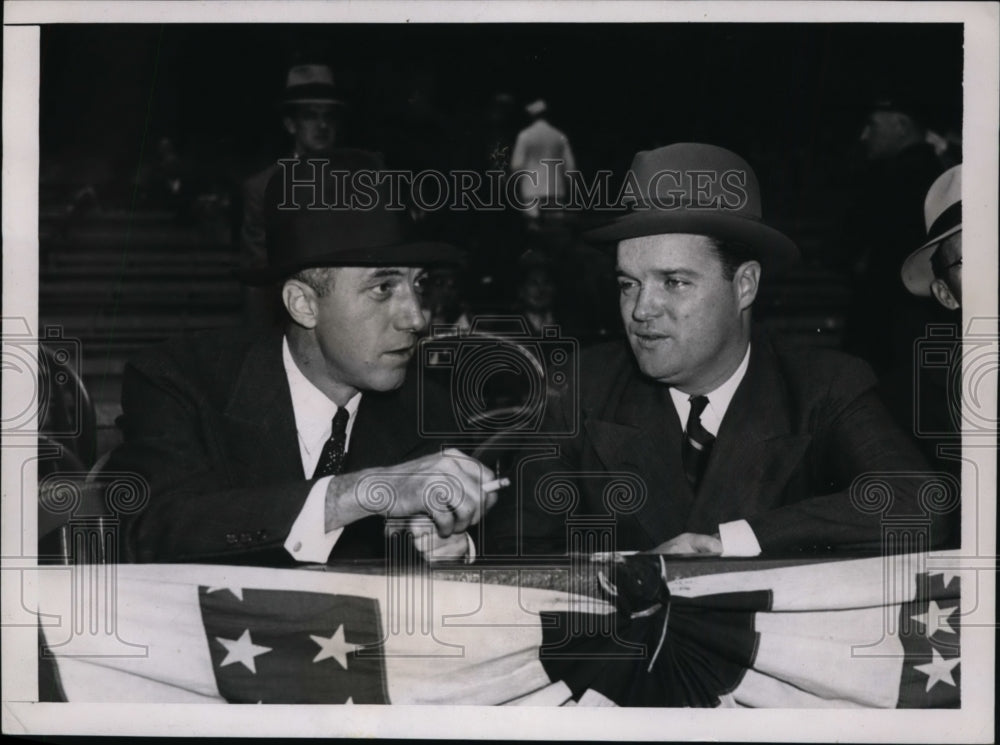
496	485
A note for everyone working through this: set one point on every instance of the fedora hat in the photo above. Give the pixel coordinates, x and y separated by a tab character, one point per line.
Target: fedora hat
310	84
943	217
304	232
700	189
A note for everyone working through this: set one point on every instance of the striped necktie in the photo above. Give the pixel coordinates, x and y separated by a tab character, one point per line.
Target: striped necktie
697	443
331	460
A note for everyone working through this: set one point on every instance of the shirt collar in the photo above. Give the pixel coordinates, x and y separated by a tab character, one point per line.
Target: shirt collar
718	399
313	410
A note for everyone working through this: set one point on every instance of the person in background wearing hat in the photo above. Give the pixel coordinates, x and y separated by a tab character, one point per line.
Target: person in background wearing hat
544	155
295	445
312	113
934	269
724	441
883	225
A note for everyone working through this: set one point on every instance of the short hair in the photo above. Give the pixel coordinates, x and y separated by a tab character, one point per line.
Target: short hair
732	254
318	278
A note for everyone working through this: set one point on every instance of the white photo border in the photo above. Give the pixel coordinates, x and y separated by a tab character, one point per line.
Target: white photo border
21	711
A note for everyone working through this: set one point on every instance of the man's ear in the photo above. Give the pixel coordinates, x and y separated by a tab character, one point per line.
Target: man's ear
300	302
943	293
289	125
746	280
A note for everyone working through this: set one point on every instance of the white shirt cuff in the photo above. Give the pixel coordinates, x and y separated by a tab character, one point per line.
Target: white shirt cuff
308	541
738	539
470	555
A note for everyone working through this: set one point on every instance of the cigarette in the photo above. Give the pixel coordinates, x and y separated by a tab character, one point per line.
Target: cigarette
614	556
496	484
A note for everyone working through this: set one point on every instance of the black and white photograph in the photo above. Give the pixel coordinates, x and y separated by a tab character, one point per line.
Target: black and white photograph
432	357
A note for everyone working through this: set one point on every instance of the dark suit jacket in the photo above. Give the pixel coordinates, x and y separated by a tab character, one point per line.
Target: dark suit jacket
208	422
802	426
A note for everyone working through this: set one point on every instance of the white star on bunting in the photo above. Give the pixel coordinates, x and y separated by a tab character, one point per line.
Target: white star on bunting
938	669
242	650
935	619
237	591
336	647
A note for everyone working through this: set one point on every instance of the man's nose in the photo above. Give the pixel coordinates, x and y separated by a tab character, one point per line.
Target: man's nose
647	305
412	315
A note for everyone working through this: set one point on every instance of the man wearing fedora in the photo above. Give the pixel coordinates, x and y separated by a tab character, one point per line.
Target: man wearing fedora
931	411
313	111
702	434
296	445
936	267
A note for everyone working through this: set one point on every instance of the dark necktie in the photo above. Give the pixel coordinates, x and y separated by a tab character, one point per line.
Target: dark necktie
331	460
697	443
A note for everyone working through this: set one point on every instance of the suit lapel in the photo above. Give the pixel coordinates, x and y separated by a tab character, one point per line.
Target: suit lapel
263	440
755	450
385	431
644	438
259	417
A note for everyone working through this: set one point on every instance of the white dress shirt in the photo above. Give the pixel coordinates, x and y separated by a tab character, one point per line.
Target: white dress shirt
308	540
535	144
314	412
737	537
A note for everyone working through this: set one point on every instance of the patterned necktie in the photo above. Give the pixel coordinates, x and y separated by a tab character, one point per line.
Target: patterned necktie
697	443
331	460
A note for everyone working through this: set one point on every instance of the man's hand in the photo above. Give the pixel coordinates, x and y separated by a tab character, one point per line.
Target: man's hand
446	487
691	543
433	547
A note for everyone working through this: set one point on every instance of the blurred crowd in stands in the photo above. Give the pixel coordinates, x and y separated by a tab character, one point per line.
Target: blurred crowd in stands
531	260
855	221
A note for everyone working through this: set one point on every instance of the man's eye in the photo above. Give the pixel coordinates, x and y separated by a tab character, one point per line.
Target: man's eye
675	284
626	285
383	290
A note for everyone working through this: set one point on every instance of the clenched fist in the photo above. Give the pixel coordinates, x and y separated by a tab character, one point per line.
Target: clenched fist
446	487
